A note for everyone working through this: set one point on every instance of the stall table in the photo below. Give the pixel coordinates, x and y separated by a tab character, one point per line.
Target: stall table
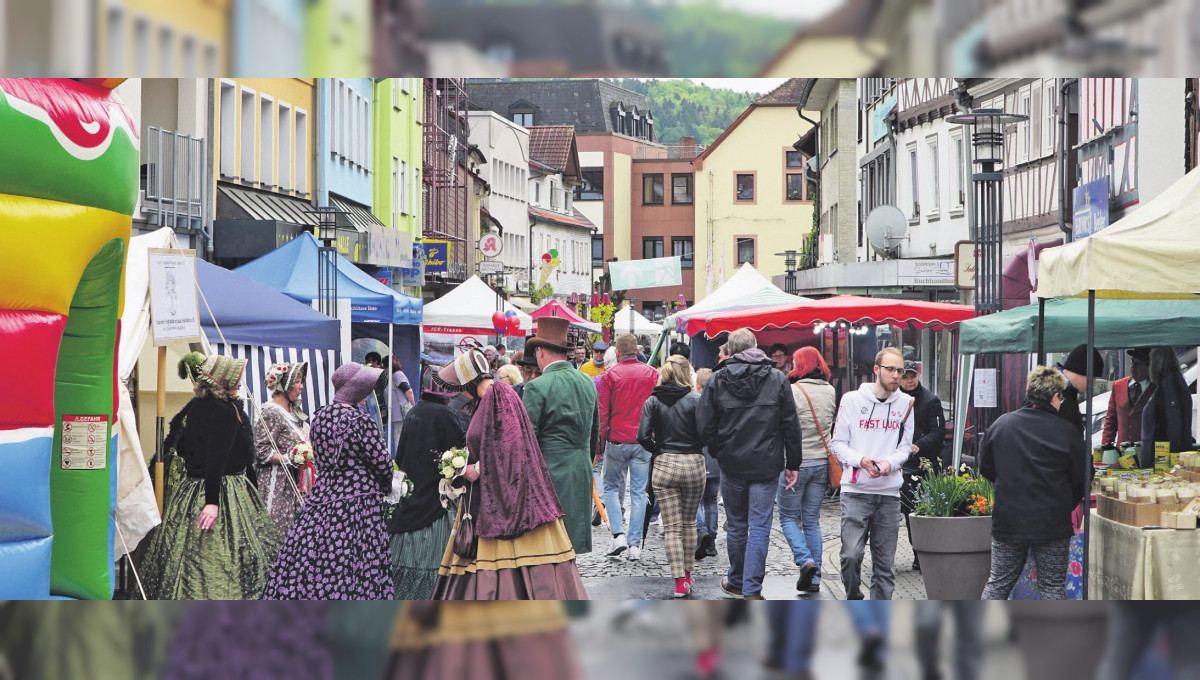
1132	563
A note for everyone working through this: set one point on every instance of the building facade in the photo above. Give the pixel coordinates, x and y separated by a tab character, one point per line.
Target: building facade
154	39
751	197
561	236
337	38
663	219
277	52
445	183
505	147
396	180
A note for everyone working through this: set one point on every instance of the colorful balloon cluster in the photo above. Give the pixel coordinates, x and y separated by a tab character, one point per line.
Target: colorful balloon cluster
506	323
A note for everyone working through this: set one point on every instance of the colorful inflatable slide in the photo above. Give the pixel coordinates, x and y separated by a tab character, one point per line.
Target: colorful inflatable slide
68	186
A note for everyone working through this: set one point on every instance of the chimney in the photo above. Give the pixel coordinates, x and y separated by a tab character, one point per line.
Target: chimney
687	147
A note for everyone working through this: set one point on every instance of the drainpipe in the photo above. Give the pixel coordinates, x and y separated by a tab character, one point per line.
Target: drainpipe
209	201
320	140
1061	153
817	135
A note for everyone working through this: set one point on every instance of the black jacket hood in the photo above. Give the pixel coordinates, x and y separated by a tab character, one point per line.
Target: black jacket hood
671	393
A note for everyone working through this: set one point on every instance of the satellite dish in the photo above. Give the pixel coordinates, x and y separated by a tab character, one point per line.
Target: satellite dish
886	228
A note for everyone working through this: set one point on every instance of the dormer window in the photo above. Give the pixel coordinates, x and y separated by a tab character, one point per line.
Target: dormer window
521	113
618	121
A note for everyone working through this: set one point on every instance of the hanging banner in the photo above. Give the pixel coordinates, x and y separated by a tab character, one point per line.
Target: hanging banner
660	271
174	309
443	343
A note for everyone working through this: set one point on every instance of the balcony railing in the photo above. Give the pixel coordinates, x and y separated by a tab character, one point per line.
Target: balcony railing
669	152
172	179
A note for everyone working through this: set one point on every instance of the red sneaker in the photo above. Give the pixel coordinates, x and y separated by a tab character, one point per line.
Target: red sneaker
683	586
688	577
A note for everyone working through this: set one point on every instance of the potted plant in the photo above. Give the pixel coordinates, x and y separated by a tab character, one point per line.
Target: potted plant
952	532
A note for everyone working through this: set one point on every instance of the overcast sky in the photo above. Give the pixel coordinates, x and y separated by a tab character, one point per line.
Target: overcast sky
790	9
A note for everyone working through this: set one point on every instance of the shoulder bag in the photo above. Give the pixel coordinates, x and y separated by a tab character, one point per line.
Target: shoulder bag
835	468
466	542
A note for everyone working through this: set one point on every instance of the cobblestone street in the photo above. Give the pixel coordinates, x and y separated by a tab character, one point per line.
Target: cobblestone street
618	578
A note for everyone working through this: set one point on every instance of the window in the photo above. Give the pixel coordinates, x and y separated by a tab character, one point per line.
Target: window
652	189
745	186
592	188
337	118
285	146
553	195
957	172
794	159
397	182
523	118
402	193
746	248
793	175
1049	122
537	192
652	248
568	196
141	44
1025	129
365	134
189	57
915	172
228	129
266	140
935	175
396	91
301	151
116	40
248	117
681	189
653	311
681	247
597	251
795	186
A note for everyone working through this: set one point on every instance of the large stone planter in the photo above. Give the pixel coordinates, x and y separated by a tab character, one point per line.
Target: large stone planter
955	554
1060	639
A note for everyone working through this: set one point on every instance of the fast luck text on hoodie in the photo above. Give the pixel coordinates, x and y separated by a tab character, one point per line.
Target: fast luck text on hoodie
872	428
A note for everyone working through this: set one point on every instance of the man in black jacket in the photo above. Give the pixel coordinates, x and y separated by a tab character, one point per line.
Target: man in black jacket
929	430
1036	461
1074	368
747	417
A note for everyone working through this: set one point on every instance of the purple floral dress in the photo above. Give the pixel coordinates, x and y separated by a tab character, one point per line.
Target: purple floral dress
338	547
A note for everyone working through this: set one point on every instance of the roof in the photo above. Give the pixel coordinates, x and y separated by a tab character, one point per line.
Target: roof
244	203
585	105
851	20
575	219
793	92
552	146
585	37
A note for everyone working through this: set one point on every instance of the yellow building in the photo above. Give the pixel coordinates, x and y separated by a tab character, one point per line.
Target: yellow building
751	197
831	46
263	160
187	38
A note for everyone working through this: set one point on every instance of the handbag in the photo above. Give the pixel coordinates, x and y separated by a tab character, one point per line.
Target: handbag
466	542
835	467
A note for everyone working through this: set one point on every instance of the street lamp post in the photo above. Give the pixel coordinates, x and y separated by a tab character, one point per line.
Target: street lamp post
789	265
987	221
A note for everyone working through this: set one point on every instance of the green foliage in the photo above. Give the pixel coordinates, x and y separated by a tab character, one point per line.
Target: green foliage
683	108
540	295
704	38
951	494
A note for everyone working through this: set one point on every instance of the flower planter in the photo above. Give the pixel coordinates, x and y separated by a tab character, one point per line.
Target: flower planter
1060	639
955	554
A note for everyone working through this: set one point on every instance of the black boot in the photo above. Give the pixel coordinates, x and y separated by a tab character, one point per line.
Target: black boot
702	547
595	518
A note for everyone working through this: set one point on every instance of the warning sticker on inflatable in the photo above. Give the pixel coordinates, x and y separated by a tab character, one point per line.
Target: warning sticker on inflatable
84	442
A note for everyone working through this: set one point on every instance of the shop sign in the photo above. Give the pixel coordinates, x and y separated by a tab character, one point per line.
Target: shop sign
415	275
389	247
491	267
174	309
964	265
925	272
435	255
490	245
1091	208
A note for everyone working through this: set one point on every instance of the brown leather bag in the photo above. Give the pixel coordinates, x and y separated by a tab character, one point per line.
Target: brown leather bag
466	543
835	468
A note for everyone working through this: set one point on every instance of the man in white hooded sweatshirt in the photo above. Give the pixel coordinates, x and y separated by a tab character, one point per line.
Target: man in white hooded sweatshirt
872	439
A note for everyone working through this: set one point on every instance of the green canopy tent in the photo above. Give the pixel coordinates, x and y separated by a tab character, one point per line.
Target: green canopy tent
1119	324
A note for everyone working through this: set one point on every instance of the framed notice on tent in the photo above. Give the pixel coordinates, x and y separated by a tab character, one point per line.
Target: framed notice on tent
174	305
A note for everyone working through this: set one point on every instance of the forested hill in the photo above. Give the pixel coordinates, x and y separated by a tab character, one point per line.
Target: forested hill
682	108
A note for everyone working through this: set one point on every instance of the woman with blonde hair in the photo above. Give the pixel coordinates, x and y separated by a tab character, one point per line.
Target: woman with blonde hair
669	431
216	541
510	375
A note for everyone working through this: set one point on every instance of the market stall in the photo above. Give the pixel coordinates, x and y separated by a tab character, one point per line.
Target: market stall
557	308
1147	255
470	315
629	320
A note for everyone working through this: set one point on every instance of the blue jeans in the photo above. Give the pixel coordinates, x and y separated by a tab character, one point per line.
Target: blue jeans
792	634
749	510
620	459
870	619
801	506
706	518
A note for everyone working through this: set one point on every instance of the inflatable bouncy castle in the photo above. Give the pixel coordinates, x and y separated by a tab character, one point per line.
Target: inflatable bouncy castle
68	186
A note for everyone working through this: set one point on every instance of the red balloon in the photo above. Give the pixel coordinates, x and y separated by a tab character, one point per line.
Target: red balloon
498	319
514	325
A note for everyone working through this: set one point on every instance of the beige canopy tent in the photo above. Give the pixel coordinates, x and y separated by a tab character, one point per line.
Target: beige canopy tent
1152	253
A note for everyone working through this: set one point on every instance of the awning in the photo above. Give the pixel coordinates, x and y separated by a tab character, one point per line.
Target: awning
240	203
842	308
361	217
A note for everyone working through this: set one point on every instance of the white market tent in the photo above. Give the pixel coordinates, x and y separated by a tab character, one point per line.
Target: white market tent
641	325
1151	253
747	288
470	305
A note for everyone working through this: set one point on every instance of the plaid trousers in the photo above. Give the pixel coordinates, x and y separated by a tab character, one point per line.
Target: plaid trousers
678	481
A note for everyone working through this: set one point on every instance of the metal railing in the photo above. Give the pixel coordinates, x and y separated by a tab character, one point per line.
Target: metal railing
172	179
668	152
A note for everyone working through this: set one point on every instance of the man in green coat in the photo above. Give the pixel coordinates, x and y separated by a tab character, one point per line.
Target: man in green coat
563	409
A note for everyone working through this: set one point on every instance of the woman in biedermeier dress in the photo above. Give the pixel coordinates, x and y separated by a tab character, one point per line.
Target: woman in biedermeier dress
524	552
338	547
282	424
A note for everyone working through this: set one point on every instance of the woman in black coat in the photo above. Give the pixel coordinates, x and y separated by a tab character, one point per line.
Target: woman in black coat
1168	414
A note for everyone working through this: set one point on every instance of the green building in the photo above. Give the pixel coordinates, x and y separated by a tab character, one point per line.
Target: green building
398	143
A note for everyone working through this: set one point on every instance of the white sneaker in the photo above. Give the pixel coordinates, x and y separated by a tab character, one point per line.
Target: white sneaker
635	553
619	545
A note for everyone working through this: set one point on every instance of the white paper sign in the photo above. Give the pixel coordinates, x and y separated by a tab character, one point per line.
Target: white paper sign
174	310
985	388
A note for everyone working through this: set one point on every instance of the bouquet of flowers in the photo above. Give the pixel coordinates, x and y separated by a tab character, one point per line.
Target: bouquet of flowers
950	493
451	463
402	486
301	455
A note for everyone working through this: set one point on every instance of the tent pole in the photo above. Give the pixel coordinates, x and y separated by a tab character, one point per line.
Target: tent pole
1088	470
159	420
388	369
1041	331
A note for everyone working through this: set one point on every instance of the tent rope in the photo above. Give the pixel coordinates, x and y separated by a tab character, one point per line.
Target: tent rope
129	552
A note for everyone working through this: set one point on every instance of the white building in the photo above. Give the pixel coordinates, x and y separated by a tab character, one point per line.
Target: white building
557	226
505	146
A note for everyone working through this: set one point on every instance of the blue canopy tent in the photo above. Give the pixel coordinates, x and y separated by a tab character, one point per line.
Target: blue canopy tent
292	270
